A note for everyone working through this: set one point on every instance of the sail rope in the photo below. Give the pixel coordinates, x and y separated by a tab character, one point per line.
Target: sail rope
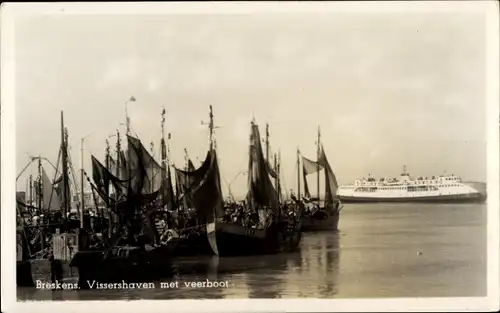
25	168
225	181
133	131
33	159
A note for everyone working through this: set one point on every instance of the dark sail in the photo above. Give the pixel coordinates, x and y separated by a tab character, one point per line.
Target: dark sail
271	171
141	169
310	167
206	196
146	178
123	165
190	166
188	180
168	196
184	183
104	178
112	164
261	190
180	189
331	184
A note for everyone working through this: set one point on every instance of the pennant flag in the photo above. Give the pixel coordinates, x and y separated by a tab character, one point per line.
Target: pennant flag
311	166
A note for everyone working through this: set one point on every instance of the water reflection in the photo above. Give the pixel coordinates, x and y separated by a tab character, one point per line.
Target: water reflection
316	276
374	255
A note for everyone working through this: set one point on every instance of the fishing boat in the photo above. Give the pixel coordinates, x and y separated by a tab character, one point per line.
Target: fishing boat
47	231
442	188
133	248
318	215
265	230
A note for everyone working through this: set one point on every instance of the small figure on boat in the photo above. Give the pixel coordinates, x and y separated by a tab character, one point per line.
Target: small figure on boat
56	270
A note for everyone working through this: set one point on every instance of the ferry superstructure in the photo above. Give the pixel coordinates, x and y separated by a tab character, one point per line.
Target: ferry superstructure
443	188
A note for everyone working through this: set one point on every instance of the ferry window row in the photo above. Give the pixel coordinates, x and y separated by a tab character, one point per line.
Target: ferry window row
365	189
422	188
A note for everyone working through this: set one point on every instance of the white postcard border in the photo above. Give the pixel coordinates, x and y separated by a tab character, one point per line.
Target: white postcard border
10	11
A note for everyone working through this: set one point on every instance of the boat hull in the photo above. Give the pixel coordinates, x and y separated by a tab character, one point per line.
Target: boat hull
460	198
193	245
118	266
30	272
24	276
330	223
235	240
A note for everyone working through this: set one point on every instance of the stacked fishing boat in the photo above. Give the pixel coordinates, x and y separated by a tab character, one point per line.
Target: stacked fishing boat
139	222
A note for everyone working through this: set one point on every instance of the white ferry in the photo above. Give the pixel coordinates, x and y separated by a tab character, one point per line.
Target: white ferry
443	188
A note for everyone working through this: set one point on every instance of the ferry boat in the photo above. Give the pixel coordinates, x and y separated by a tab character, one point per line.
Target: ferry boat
443	188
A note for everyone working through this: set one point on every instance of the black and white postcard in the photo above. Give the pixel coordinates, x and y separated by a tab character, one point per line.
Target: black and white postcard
250	156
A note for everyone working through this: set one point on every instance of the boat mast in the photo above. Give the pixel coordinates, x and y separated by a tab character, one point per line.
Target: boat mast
167	170
211	128
40	195
267	143
151	184
107	152
275	166
31	190
127	119
277	160
163	159
317	162
82	187
298	173
279	176
129	169
186	158
118	152
117	170
168	151
64	151
107	188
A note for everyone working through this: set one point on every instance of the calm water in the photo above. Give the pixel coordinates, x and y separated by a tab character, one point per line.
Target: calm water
381	250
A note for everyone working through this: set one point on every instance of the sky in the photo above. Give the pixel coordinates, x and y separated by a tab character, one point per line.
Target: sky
386	89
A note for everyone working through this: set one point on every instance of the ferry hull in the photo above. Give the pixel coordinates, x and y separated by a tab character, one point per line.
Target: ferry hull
464	198
310	224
